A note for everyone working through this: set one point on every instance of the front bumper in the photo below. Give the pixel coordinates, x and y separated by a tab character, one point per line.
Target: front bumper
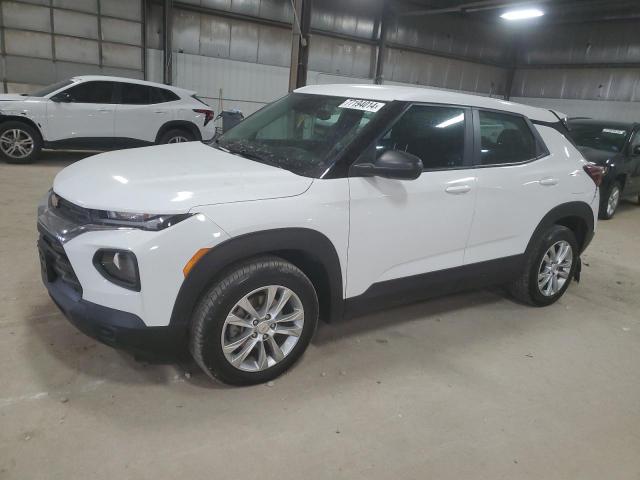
116	328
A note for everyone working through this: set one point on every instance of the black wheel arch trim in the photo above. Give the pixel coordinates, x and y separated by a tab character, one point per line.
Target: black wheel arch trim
563	215
26	120
309	250
181	124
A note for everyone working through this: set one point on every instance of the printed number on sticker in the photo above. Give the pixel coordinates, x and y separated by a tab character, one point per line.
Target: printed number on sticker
366	105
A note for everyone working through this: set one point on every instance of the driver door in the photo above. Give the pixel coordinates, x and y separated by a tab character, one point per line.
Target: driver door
404	228
82	113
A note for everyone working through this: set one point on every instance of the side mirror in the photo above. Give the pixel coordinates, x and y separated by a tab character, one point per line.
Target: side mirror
636	150
391	164
62	97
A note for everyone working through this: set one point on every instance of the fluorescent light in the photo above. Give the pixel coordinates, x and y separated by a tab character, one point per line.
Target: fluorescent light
451	121
522	14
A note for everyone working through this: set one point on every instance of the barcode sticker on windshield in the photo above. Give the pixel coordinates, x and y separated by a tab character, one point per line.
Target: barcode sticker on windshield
366	105
616	132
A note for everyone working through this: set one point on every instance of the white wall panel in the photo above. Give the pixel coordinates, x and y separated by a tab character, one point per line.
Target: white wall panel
123	31
75	23
90	6
28	17
246	86
32	44
125	56
76	50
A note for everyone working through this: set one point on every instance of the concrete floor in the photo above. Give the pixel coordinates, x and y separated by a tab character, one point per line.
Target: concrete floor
468	386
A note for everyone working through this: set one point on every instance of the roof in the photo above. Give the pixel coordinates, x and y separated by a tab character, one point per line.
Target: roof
604	123
86	78
387	93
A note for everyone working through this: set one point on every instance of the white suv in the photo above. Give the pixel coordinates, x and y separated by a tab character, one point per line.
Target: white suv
100	113
328	202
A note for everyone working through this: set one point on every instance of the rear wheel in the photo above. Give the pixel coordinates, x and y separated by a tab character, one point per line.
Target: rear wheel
609	202
549	268
176	135
19	142
255	322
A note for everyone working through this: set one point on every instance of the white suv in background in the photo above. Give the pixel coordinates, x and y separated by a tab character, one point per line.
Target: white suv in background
330	201
100	113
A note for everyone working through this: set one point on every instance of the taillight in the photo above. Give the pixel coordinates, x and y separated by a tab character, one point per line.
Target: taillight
596	173
208	114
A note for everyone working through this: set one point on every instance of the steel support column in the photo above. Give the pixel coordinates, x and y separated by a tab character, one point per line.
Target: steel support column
167	34
300	44
383	21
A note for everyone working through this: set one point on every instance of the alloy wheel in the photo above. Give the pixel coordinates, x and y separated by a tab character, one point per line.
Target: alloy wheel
555	268
613	200
178	139
16	143
262	328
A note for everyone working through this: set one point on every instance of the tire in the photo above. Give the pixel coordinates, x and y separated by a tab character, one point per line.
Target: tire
609	202
526	288
27	150
176	135
248	280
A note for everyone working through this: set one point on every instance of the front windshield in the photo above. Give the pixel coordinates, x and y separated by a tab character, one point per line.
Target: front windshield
51	88
599	136
302	133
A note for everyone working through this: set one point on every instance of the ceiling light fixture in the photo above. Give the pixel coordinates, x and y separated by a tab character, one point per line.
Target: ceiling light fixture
522	14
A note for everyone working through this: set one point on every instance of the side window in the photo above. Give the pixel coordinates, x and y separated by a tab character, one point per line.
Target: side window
160	95
434	134
91	92
505	139
134	94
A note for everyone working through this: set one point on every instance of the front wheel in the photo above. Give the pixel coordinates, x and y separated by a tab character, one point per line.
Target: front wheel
19	142
549	268
255	322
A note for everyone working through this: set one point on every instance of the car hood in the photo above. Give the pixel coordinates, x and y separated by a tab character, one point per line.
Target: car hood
171	179
599	157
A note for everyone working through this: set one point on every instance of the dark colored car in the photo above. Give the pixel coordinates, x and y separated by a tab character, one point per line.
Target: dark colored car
616	147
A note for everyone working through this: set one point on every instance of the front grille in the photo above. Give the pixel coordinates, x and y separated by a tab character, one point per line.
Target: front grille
55	262
73	212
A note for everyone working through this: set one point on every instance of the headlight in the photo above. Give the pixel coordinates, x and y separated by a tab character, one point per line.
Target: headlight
145	221
119	267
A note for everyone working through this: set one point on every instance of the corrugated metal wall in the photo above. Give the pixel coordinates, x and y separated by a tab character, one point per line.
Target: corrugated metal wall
245	61
249	61
43	41
593	61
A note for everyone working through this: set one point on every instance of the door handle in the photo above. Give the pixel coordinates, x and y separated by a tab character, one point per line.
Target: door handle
548	182
162	112
458	189
105	110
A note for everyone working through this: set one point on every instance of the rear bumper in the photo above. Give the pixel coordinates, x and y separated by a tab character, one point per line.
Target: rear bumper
116	328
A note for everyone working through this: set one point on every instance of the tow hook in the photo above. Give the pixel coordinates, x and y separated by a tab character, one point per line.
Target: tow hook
578	271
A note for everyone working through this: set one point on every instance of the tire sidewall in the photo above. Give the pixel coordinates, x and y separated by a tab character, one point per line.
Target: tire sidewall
212	355
37	141
556	234
604	204
175	132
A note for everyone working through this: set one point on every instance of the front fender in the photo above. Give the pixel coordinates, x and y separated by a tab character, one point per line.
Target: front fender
309	249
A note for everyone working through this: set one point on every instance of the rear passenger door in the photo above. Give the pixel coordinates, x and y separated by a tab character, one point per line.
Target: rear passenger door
142	110
519	181
402	228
